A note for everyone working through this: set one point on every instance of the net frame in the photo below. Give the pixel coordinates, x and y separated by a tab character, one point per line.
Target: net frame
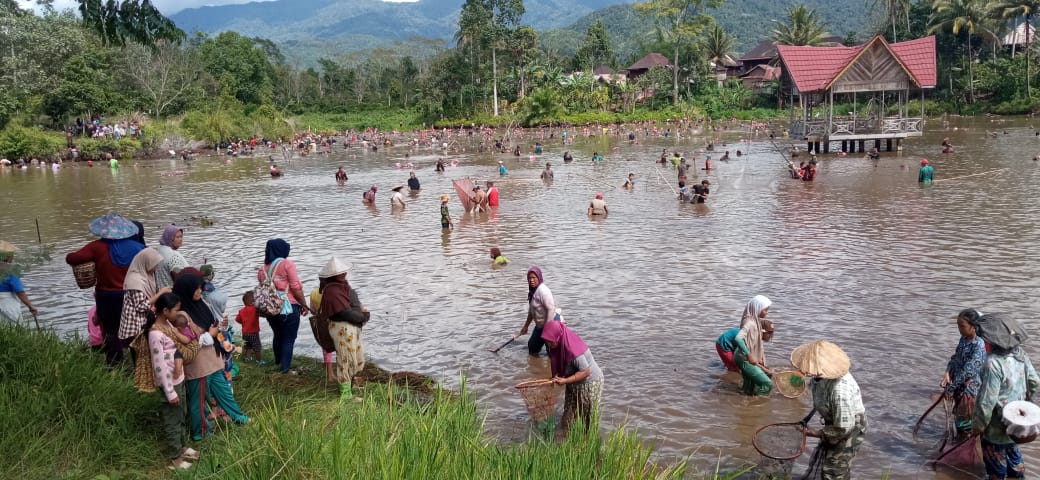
758	443
782	383
540	398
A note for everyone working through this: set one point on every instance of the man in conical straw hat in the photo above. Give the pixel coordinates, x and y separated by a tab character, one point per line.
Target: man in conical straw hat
346	315
837	399
12	292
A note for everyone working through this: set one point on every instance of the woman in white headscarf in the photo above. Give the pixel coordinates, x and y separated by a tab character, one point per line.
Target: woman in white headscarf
141	293
751	356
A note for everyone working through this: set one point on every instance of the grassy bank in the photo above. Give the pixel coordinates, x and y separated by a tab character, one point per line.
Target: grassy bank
65	415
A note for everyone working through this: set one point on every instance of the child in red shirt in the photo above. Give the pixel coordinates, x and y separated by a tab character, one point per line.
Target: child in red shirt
250	321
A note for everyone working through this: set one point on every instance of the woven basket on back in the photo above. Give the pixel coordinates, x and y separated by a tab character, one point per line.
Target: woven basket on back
86	275
540	398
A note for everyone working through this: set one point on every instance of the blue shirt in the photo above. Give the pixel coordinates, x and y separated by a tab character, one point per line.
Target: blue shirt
502	170
728	340
12	284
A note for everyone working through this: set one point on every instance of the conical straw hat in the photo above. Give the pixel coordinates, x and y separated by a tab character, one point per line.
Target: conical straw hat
821	359
334	267
7	247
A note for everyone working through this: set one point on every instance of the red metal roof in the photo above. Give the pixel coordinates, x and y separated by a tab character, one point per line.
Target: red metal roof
815	68
918	56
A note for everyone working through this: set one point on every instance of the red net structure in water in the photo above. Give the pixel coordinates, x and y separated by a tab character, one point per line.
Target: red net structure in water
540	398
780	441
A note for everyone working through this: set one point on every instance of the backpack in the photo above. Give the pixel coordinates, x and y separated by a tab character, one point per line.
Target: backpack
268	300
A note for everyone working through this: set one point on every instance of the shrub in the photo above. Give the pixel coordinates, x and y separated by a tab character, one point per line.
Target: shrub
25	142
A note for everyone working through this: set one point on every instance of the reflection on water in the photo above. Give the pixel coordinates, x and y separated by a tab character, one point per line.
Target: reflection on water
864	257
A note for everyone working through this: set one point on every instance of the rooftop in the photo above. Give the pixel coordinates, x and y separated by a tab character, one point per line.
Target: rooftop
817	68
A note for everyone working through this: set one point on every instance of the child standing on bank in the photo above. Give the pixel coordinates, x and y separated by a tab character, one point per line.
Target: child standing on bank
250	320
163	348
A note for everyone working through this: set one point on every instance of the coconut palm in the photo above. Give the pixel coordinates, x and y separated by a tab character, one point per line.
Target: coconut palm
1019	8
717	43
956	16
803	27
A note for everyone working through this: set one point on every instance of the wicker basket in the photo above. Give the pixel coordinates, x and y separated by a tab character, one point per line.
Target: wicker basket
86	274
540	398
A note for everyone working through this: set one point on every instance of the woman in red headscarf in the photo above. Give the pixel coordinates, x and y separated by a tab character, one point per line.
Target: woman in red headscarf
573	366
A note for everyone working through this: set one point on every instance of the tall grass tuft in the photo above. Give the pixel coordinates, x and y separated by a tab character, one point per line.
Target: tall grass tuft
64	415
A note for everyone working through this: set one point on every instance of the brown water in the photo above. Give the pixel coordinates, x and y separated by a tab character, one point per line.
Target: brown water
864	257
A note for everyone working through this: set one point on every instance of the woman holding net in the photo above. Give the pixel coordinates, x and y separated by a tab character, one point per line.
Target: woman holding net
573	366
750	355
963	372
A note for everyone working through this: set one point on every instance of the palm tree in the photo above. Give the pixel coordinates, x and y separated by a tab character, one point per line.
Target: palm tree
894	9
1025	8
958	15
803	27
717	43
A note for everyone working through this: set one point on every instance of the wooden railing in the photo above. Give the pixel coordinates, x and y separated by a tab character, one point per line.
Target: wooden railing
848	126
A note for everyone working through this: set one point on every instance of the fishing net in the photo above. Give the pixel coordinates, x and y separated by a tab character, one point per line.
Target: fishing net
540	398
780	441
789	384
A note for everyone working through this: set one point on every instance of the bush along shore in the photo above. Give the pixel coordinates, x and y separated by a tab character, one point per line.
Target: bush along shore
66	415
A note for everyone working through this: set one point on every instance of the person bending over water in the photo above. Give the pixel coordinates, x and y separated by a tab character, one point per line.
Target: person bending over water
750	356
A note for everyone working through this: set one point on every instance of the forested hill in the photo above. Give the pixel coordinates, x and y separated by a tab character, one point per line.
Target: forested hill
309	29
749	21
287	21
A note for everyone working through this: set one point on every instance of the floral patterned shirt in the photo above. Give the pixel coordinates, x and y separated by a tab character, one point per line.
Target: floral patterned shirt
162	349
965	366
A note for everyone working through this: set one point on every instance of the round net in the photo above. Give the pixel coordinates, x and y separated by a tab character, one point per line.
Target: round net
790	384
780	441
540	398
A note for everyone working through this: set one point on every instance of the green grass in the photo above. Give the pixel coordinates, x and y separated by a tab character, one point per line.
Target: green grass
66	415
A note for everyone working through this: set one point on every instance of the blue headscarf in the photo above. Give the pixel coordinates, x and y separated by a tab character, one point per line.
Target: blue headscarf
276	248
123	251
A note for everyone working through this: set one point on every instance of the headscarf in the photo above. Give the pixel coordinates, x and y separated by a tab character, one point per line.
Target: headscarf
538	273
751	326
168	235
1003	333
138	276
123	251
184	286
335	295
276	248
569	346
140	233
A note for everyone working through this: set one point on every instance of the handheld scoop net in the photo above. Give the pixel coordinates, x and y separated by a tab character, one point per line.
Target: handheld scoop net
540	398
780	441
790	384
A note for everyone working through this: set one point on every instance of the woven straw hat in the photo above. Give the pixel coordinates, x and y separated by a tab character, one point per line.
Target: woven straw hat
334	267
821	359
7	247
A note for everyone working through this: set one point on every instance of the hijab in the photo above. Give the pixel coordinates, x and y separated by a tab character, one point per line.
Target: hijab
184	286
538	273
123	251
751	326
335	295
138	276
140	233
568	346
276	248
168	234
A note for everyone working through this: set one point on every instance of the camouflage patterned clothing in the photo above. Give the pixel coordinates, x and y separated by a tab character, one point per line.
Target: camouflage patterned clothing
837	458
580	400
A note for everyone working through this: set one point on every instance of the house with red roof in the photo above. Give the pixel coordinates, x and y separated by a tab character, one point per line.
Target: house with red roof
879	76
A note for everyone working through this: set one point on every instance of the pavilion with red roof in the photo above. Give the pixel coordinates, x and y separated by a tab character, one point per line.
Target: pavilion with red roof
886	74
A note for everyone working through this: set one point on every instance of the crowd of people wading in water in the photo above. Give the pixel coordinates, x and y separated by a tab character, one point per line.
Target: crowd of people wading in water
173	318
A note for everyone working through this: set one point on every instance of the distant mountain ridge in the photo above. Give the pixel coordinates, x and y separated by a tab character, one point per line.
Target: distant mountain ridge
302	20
309	29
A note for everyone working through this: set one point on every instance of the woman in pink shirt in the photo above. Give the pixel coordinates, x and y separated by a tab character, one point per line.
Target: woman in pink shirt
287	282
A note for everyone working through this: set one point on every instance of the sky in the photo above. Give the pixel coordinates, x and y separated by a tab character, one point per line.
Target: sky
167	7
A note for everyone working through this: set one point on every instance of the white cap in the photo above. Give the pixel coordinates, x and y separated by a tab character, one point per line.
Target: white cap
334	267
